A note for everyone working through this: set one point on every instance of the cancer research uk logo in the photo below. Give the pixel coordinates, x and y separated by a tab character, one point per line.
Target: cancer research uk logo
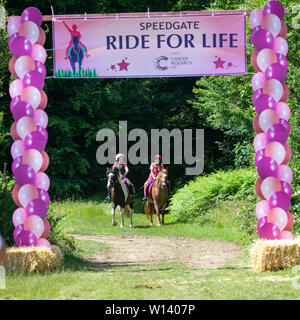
160	63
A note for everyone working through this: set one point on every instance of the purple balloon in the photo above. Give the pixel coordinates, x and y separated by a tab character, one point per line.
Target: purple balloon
256	94
263	39
16	164
24	174
267	167
33	78
280	200
11	39
40	67
285	124
269	231
274	7
22	109
254	30
21	46
43	131
259	155
32	14
35	140
286	188
275	71
17	231
263	102
282	60
26	239
37	207
277	132
261	222
13	102
44	196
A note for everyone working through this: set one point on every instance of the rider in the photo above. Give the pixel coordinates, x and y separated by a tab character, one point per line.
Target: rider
75	33
155	168
123	169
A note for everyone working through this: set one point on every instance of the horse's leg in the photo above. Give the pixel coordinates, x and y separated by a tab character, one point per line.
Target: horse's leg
163	214
113	210
122	217
131	214
157	213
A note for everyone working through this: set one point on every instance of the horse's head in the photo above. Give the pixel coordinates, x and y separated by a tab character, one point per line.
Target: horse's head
162	178
112	177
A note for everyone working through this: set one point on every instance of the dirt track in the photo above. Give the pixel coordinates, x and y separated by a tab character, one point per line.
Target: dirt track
132	250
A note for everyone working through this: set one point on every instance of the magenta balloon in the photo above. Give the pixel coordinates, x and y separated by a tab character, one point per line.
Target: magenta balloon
269	231
40	67
280	200
256	94
36	207
26	239
16	164
22	109
35	140
259	155
13	102
24	174
276	71
263	39
262	209
17	231
32	14
258	80
274	7
263	102
33	78
267	167
44	196
254	30
17	149
277	132
43	131
286	188
282	60
21	46
285	124
261	222
11	39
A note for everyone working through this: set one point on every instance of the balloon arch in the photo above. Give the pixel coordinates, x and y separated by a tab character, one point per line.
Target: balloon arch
30	121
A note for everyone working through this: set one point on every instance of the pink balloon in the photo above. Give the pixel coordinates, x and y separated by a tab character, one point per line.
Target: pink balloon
273	88
13	25
258	80
42	181
30	31
11	67
35	224
45	161
15	88
276	151
285	173
286	235
278	217
256	126
254	60
286	93
38	53
281	46
17	149
256	17
13	131
290	222
41	118
258	183
262	209
27	193
288	154
32	95
33	158
269	186
43	243
19	216
44	100
14	194
260	141
267	118
283	30
266	57
24	126
46	230
42	37
271	23
283	110
23	65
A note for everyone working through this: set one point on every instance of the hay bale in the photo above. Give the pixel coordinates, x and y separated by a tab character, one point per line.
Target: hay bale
33	259
274	255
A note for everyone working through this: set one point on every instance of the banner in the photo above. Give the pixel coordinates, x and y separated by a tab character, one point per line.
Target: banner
150	47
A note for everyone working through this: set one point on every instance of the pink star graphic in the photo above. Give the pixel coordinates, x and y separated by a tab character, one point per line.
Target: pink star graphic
123	65
113	67
219	63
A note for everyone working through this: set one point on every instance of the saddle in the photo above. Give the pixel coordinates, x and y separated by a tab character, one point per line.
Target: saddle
149	189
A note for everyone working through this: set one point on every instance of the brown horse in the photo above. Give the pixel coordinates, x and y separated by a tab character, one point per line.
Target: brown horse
159	199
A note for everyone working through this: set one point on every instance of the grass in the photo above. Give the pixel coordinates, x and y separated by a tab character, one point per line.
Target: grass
167	280
82	73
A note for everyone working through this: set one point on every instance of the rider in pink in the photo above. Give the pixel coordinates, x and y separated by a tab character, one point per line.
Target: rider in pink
155	167
75	33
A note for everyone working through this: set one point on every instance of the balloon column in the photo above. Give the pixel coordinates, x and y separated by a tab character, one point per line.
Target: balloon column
271	122
29	128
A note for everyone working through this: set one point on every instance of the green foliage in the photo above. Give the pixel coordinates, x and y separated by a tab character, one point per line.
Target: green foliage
83	73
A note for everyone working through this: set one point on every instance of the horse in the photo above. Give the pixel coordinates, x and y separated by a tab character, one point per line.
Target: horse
76	54
159	199
118	197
